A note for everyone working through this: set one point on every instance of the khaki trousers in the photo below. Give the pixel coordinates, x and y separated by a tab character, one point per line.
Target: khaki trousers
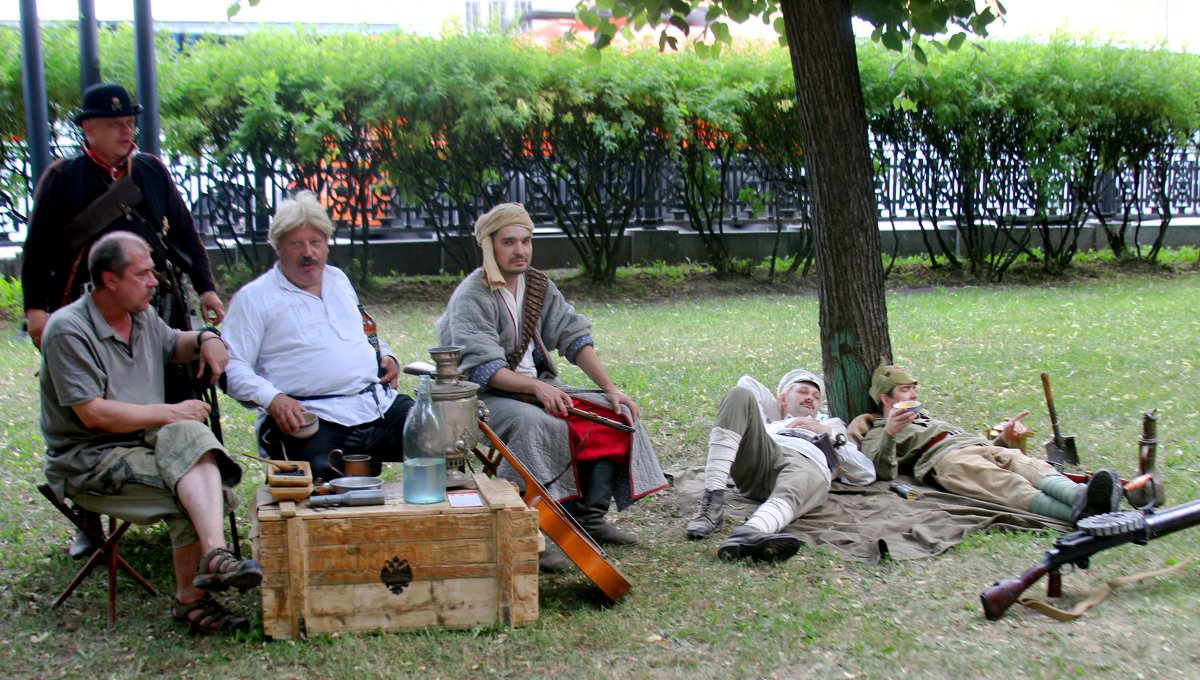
137	483
763	469
993	474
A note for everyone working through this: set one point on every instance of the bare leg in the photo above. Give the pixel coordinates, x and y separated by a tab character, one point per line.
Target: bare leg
199	492
186	559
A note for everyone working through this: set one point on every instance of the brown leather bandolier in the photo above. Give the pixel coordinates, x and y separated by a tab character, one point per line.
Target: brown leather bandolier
106	209
531	311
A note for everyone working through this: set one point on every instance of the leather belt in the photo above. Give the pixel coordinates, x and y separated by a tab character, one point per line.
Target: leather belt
932	443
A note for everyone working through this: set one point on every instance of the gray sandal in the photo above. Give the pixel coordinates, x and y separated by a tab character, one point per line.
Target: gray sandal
219	571
211	617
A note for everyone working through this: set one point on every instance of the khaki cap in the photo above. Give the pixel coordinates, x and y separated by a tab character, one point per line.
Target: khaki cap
887	376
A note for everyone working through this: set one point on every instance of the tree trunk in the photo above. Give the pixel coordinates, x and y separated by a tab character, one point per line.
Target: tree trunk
850	283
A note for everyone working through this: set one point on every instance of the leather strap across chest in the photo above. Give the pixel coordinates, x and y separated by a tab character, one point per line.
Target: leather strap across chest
531	312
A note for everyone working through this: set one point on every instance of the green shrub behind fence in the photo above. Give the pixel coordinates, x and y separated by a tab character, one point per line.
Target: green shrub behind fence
1014	146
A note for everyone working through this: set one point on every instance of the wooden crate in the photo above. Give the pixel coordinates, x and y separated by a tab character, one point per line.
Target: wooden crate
397	566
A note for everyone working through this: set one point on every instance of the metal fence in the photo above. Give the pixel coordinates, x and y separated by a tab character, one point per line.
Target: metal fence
232	203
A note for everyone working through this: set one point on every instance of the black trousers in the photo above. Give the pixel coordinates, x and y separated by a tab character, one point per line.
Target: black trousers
382	439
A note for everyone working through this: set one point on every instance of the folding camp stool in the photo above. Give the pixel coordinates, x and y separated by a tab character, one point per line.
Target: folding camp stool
107	552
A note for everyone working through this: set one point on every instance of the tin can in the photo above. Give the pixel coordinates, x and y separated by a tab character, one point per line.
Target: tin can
904	491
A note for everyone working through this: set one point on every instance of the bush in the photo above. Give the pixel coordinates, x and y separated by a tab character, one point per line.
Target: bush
1015	146
12	300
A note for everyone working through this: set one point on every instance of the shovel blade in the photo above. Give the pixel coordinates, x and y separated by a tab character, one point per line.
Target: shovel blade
1055	454
1062	455
1069	452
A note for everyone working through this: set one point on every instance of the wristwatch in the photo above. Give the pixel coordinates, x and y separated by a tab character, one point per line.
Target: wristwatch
839	439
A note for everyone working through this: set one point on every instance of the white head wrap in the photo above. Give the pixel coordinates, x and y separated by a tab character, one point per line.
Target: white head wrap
800	375
499	217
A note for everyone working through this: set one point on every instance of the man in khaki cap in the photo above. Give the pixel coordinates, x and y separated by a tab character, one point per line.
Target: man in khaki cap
903	438
782	451
508	317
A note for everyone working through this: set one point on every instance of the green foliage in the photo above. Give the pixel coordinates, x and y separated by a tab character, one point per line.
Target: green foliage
591	134
233	276
1025	133
12	300
454	108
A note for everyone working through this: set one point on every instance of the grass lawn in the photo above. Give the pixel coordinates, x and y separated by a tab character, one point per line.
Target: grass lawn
1114	349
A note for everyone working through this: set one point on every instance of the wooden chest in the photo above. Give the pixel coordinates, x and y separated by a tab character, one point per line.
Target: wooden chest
397	566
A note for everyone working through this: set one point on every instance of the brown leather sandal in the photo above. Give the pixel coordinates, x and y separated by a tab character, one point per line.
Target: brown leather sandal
210	617
219	571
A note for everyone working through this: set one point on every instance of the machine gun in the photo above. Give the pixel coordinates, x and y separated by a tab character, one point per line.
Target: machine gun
1096	533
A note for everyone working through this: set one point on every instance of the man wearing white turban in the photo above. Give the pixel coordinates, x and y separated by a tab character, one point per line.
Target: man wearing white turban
507	317
782	451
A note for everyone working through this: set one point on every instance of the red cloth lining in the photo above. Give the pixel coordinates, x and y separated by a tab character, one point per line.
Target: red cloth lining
593	441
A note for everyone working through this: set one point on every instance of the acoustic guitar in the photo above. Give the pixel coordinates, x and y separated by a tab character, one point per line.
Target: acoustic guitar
560	526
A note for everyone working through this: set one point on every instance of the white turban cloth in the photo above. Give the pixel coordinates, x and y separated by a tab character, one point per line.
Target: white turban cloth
499	217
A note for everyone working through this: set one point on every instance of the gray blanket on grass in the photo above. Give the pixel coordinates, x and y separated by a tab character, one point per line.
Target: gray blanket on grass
866	523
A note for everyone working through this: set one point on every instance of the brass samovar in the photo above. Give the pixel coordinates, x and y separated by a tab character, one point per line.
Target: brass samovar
457	406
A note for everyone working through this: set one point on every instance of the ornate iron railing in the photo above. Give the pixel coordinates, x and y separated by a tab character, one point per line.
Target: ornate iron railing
232	202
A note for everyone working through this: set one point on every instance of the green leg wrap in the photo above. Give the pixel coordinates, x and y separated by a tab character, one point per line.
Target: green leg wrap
1060	488
1049	506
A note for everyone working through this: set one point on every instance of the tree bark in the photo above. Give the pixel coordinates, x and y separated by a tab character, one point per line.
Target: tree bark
850	281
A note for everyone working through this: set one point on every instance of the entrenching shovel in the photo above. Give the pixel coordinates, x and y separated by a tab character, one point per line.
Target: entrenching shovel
1060	450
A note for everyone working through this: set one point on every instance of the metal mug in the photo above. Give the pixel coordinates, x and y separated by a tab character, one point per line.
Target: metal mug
356	464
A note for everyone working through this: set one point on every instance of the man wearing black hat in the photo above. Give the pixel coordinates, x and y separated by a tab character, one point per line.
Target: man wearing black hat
64	222
109	187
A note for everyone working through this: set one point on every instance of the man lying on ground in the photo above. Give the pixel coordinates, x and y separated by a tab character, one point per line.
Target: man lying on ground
782	451
904	438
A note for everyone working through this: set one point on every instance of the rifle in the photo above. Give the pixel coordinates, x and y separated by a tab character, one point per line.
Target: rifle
1076	548
425	368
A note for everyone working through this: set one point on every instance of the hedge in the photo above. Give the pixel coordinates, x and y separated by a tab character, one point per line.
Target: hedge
1014	144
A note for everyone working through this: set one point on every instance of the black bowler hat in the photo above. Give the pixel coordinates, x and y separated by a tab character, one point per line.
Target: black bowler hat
107	100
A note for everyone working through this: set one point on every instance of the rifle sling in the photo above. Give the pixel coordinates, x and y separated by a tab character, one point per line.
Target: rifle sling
531	312
1097	596
106	209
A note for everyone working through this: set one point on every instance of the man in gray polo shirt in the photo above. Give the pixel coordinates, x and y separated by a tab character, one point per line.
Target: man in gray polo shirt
115	447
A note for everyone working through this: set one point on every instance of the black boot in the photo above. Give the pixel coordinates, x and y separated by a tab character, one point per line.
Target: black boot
83	546
590	509
1102	495
747	542
551	561
709	517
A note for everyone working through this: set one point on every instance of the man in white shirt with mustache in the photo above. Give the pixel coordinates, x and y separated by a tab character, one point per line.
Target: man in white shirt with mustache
782	451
